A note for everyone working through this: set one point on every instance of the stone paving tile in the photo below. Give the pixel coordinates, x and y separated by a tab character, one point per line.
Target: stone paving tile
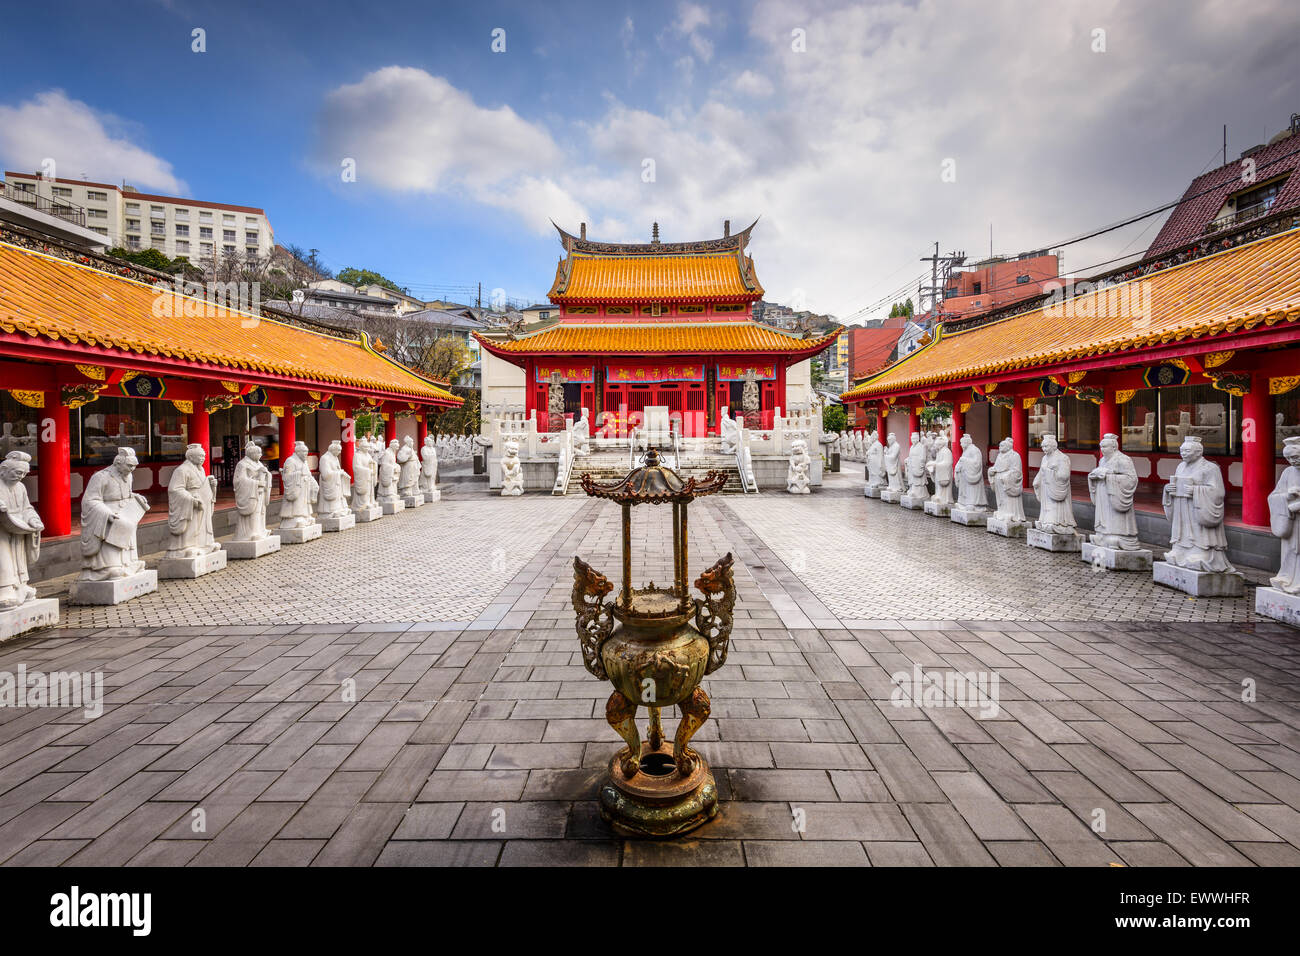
475	737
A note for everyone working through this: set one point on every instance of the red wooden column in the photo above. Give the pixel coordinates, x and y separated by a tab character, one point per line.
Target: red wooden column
1109	414
54	468
348	439
422	427
288	436
1020	435
390	428
958	429
1257	451
197	426
913	423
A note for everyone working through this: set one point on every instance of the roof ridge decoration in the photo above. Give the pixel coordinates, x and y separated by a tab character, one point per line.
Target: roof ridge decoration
735	242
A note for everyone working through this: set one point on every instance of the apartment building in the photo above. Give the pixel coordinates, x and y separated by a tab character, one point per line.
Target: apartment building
201	231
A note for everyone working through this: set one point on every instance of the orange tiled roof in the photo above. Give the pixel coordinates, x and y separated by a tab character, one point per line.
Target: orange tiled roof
642	278
44	296
1232	291
639	338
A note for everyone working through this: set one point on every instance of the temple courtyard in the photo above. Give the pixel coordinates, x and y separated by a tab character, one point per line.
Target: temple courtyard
411	692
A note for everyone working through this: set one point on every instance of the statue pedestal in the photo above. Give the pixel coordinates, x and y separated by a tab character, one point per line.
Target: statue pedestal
369	513
114	590
1006	526
397	506
414	501
337	522
1269	602
247	550
1199	583
940	509
40	612
171	568
912	502
871	491
890	495
1051	541
972	517
1117	559
299	535
431	496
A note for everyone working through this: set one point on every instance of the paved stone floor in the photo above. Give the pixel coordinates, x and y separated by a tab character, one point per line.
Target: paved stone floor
1121	735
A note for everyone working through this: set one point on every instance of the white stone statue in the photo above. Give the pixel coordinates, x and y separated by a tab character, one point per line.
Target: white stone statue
252	484
1193	502
582	434
969	477
1284	518
1007	478
730	433
916	462
298	506
190	497
389	472
110	515
408	463
797	479
332	496
363	476
1111	485
875	466
429	469
1052	485
512	470
20	533
893	473
941	470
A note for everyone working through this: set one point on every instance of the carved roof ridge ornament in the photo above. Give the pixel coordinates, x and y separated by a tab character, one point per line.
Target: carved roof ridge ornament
732	243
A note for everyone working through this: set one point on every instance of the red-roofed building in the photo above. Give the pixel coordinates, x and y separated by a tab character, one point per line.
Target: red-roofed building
1259	183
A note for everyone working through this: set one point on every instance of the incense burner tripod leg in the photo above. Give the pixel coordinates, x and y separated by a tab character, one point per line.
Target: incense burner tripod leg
695	711
621	714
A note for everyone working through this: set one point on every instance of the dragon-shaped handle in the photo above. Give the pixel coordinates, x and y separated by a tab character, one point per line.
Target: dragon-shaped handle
713	614
595	621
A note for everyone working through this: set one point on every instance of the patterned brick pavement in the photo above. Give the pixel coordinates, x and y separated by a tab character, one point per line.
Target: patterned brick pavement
477	738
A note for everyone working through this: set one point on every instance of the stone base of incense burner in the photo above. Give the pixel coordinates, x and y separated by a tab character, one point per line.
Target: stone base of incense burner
657	801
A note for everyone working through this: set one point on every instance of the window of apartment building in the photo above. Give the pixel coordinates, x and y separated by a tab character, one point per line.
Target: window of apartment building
95	196
228	217
156	212
182	215
250	220
133	225
251	251
182	230
63	192
228	250
133	207
205	216
979	287
228	235
156	229
182	245
250	238
96	213
1021	280
103	231
205	232
205	249
157	242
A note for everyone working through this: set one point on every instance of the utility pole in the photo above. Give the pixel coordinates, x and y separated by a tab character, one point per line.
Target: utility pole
938	280
478	301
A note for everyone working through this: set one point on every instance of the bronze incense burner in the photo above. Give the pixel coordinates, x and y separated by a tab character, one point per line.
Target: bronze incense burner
655	645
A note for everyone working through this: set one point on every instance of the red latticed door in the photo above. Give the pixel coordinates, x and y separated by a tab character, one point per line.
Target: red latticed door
694	415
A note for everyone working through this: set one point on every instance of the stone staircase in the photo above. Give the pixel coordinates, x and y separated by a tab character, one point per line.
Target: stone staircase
606	465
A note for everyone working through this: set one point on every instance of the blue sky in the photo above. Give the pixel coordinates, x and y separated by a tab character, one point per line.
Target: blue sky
462	154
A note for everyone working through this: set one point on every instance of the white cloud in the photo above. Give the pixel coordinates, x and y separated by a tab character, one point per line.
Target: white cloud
691	18
753	84
82	143
409	130
839	148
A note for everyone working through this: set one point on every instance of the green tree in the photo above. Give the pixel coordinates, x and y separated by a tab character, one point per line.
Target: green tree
834	419
360	277
818	372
